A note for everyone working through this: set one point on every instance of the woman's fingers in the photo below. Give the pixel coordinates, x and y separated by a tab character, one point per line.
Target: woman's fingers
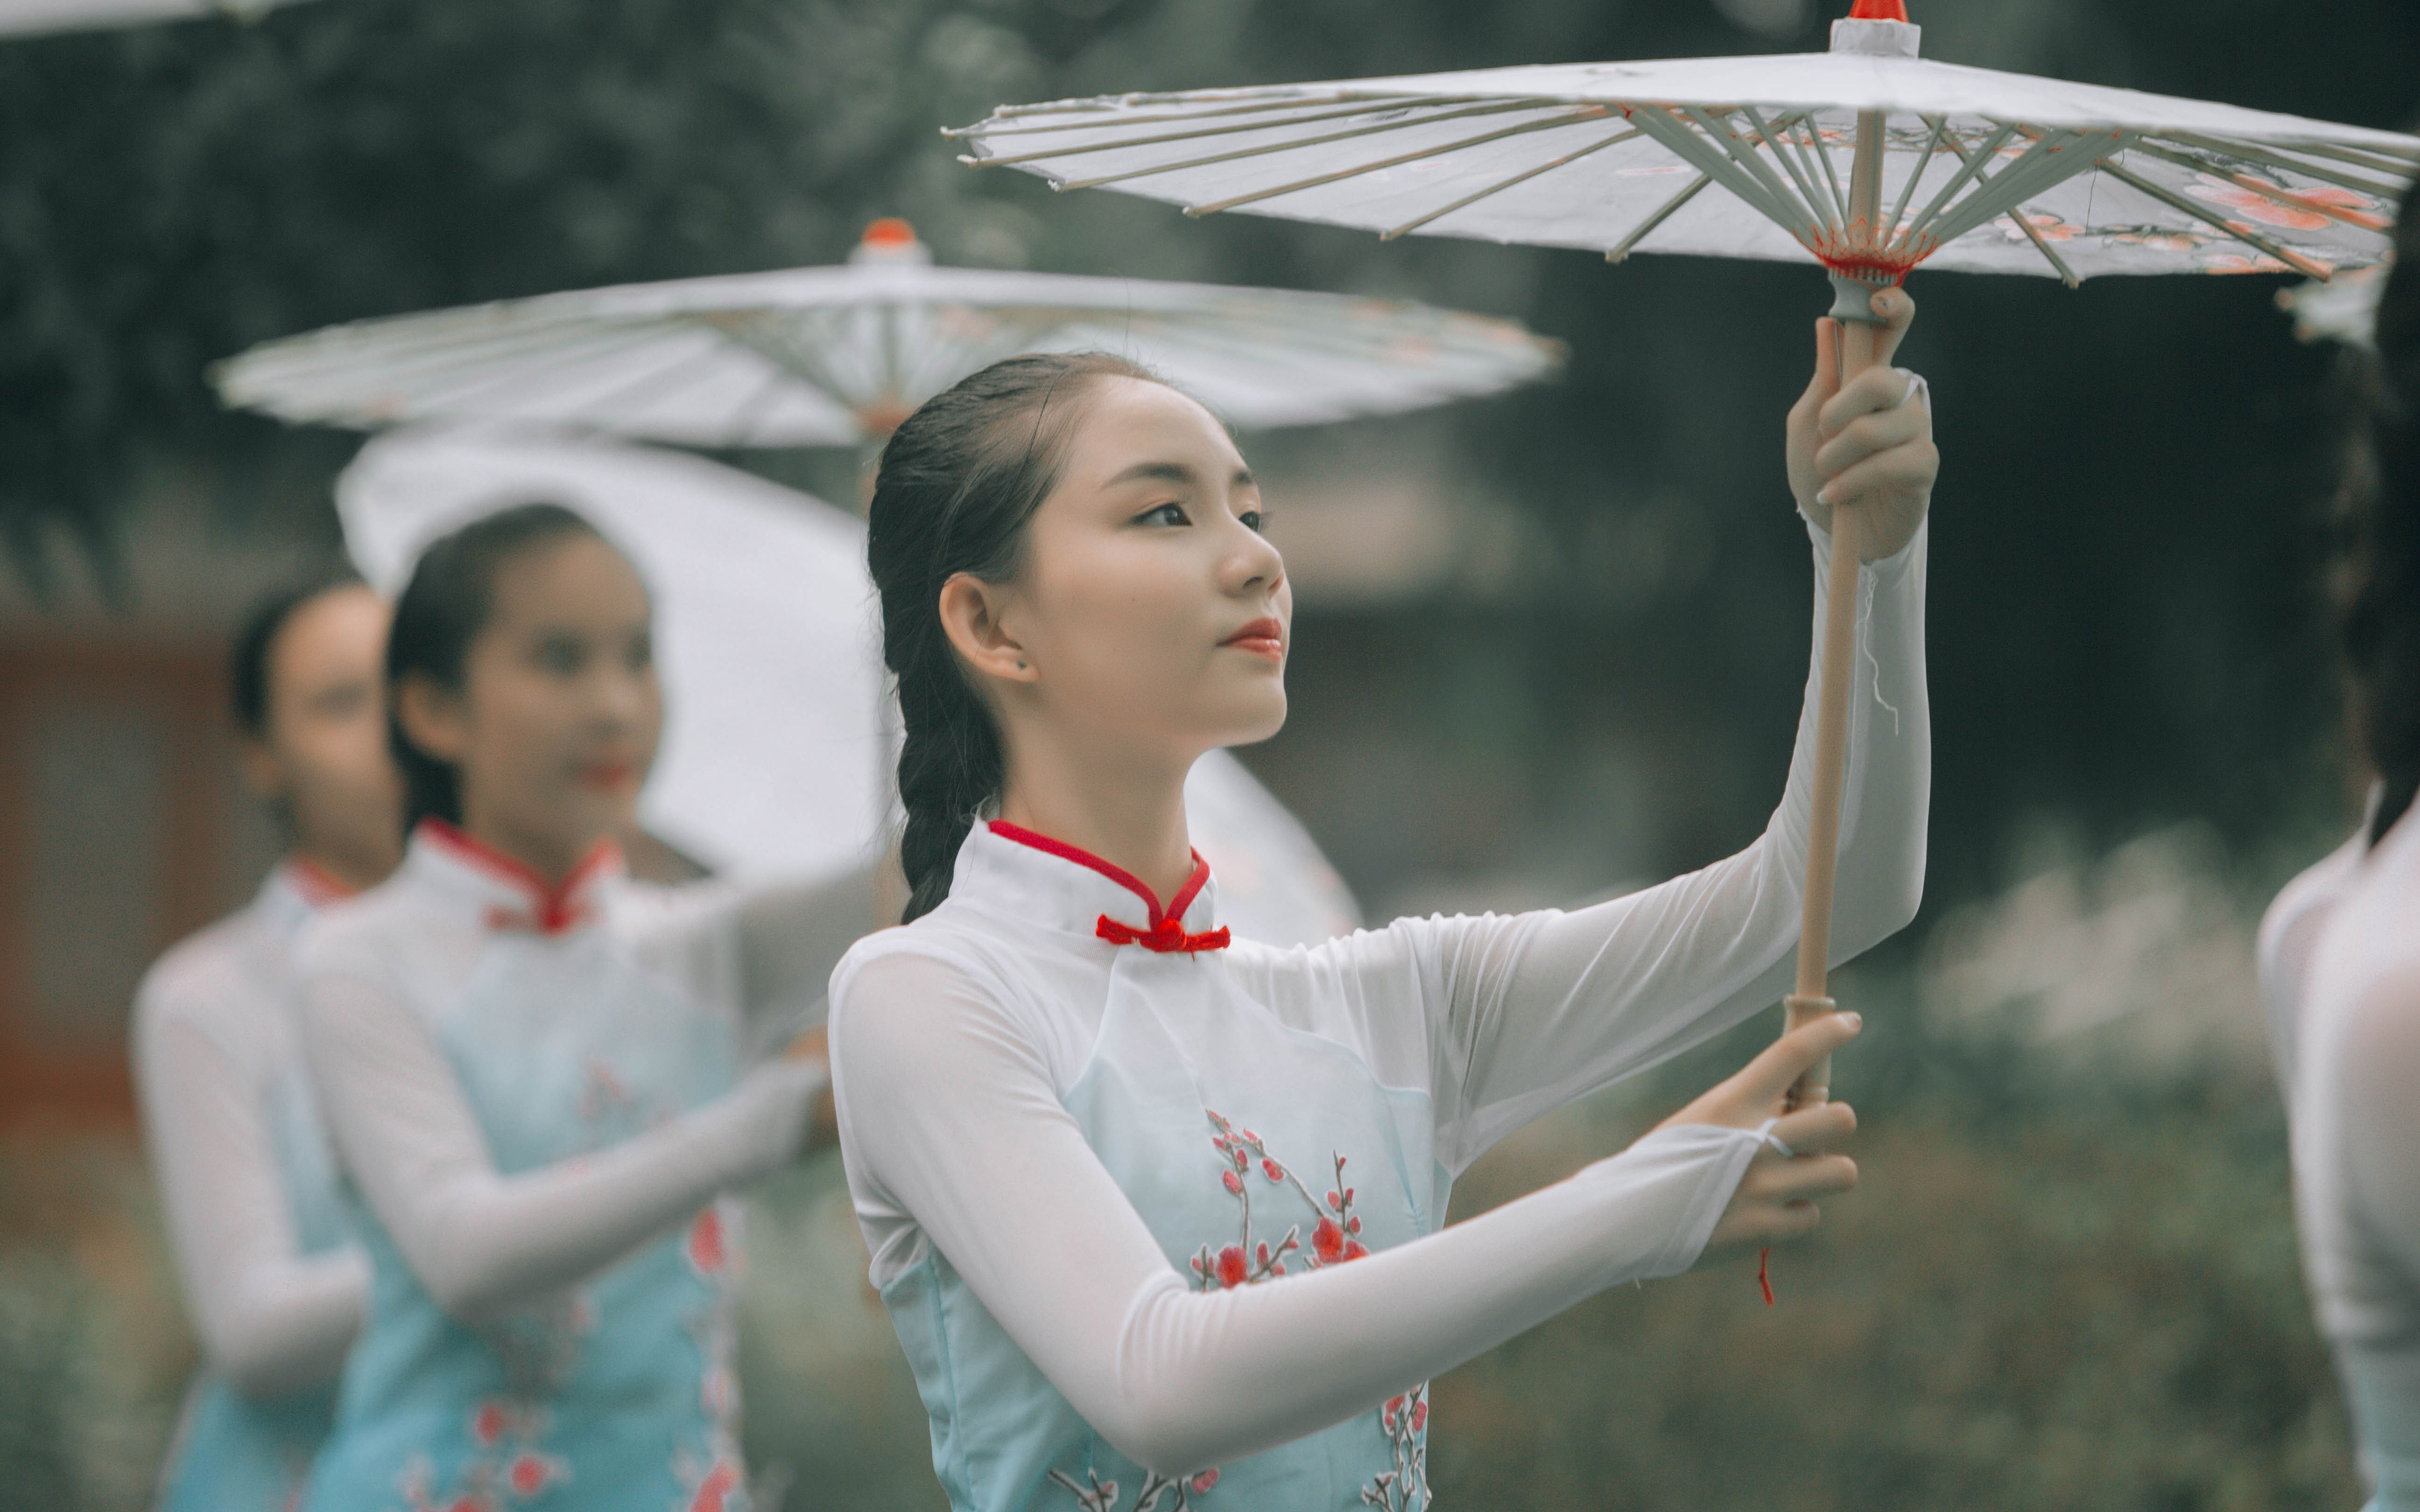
1867	436
1813	1130
1805	1179
1876	390
1901	471
1897	313
1768	1078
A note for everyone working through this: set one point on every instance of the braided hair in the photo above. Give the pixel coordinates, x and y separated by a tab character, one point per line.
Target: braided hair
2377	579
959	481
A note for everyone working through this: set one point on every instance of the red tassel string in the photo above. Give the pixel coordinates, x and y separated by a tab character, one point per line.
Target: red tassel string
1764	1285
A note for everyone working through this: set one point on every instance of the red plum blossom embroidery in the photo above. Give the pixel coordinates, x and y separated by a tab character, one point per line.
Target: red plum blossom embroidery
1405	1487
1335	1234
1102	1495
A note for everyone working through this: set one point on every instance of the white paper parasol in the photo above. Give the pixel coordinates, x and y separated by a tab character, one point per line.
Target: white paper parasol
775	758
21	17
838	356
1868	159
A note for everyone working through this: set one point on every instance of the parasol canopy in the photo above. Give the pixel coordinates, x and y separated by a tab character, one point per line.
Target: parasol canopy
838	356
777	747
20	18
1974	169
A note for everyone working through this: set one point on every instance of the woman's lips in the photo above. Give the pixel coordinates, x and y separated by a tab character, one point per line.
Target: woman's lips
606	777
1262	637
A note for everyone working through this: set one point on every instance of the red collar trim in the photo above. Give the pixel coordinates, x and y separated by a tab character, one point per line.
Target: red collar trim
553	909
1166	932
312	881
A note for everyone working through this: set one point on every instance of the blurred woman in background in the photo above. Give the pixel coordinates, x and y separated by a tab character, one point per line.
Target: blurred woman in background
2340	949
274	1287
1157	1213
542	1078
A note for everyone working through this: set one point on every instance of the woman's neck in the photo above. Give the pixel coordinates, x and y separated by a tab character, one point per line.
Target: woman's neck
1129	812
554	856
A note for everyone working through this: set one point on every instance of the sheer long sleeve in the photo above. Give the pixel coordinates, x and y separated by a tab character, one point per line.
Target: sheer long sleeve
2377	1063
768	946
271	1318
484	1243
949	1114
1527	1011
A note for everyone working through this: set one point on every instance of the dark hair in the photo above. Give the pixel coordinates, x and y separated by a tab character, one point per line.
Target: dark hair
255	643
959	481
2377	580
441	610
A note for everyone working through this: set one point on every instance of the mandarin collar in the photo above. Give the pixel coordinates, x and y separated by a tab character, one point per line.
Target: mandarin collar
1036	879
504	893
293	891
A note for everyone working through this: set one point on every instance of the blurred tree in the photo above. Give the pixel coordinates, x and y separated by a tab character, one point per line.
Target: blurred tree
2121	625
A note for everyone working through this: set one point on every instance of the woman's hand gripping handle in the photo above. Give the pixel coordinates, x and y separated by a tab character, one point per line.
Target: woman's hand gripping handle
1800	1164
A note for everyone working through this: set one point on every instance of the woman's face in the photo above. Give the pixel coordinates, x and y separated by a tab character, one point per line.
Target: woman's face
1150	609
322	754
559	711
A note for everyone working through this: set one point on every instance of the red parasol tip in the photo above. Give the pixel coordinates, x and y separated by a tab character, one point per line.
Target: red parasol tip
1879	10
891	231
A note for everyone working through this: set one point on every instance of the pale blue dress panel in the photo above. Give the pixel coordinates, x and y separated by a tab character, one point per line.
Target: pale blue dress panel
618	1394
1253	1151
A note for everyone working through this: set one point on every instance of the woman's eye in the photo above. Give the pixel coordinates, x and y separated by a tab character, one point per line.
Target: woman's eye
1254	520
641	655
561	656
1164	515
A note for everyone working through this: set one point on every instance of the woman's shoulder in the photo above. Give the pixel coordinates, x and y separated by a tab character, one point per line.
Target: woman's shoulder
947	940
378	932
211	977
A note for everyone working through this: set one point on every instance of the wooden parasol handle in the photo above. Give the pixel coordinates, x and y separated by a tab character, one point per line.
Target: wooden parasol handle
1853	314
1808	999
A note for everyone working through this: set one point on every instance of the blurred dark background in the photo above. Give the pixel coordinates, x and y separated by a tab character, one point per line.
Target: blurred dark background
1550	644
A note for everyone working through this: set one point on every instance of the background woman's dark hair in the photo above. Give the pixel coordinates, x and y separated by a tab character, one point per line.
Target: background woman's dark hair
959	481
248	690
440	612
2378	585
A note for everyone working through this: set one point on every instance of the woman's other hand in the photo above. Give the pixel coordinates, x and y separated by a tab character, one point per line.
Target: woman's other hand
823	1122
1867	444
1776	1198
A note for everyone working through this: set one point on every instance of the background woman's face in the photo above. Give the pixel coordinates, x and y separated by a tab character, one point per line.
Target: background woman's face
1150	604
561	709
323	755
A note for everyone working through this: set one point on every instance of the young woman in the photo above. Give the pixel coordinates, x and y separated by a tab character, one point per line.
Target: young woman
1157	1213
542	1078
272	1286
2340	951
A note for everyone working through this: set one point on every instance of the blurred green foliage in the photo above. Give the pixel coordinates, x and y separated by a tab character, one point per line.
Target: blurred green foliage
2056	1291
2122	623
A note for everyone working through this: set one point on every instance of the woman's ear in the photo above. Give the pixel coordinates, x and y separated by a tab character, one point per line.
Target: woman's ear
433	718
971	617
264	771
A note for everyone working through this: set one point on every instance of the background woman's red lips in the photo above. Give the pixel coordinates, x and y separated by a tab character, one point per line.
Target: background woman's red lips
1258	630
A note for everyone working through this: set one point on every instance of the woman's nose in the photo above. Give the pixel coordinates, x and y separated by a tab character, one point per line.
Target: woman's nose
1253	562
